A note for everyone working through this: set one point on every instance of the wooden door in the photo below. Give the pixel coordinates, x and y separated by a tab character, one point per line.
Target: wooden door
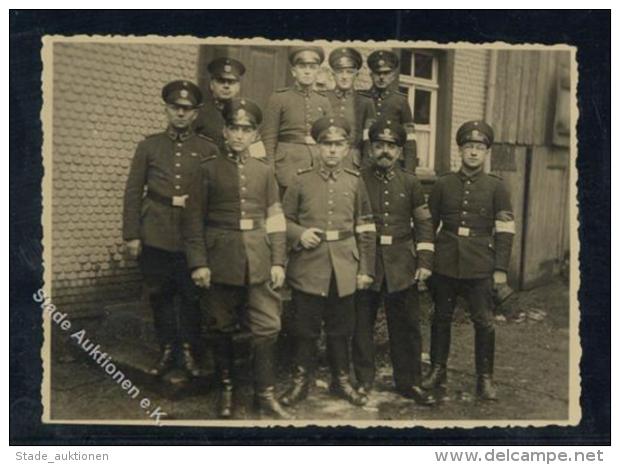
546	224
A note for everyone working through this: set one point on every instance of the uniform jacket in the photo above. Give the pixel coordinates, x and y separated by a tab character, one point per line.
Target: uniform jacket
477	225
393	105
163	164
210	121
404	225
286	126
335	201
357	109
234	224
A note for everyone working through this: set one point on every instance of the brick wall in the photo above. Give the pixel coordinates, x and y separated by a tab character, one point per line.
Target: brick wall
469	91
106	99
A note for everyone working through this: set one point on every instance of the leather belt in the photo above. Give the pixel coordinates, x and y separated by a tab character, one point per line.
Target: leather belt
174	201
245	224
294	139
335	235
467	232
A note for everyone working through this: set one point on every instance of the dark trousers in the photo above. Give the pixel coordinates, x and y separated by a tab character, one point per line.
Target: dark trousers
310	313
166	275
402	311
479	296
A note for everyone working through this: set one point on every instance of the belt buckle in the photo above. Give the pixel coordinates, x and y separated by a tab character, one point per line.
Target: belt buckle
464	231
246	225
179	200
385	240
332	235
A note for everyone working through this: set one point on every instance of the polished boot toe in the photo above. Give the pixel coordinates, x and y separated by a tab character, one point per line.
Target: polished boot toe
269	406
342	388
485	388
419	395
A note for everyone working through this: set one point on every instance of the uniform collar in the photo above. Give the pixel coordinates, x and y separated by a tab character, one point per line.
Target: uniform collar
343	94
239	158
217	103
384	175
326	173
303	91
376	92
174	135
471	177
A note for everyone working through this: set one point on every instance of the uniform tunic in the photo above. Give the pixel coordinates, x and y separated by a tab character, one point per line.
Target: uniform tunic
210	121
337	203
357	109
164	164
404	227
477	225
286	126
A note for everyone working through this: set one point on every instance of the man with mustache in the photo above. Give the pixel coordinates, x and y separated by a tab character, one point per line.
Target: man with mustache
289	116
164	164
332	239
236	245
472	253
391	104
403	260
348	103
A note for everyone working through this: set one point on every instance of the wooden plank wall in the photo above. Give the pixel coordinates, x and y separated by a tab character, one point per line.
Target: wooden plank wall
524	96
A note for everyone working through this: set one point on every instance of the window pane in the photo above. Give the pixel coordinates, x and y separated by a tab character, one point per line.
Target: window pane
404	90
422	143
422	107
405	62
423	66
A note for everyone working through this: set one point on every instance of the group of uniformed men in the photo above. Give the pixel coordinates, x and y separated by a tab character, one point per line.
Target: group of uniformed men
317	192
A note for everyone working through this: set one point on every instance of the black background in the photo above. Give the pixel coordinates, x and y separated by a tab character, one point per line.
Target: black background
590	31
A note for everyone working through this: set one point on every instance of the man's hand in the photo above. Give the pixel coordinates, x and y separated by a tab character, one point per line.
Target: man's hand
133	248
202	277
277	276
499	277
422	274
364	281
310	238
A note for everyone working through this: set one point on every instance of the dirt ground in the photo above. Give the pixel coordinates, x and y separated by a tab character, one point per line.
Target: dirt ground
532	367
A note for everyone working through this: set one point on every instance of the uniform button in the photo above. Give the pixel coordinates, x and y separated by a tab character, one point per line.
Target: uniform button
242	213
177	187
387	203
386	192
329	223
323	294
331	202
179	144
331	191
178	154
242	176
463	222
242	200
243	188
464	213
385	182
386	214
330	212
177	164
468	182
466	192
378	113
465	202
178	176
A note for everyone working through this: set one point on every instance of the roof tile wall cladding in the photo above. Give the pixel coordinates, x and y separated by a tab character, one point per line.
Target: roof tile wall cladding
106	99
469	91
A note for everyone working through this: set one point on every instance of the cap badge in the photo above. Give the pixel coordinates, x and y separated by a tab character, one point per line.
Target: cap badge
331	120
241	113
387	132
184	93
381	62
227	68
476	133
242	102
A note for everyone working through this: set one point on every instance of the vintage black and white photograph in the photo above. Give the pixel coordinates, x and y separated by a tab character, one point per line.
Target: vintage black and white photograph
245	232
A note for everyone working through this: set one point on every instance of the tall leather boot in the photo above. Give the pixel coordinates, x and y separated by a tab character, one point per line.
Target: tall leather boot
440	349
300	384
338	354
223	354
165	362
264	378
485	356
188	361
